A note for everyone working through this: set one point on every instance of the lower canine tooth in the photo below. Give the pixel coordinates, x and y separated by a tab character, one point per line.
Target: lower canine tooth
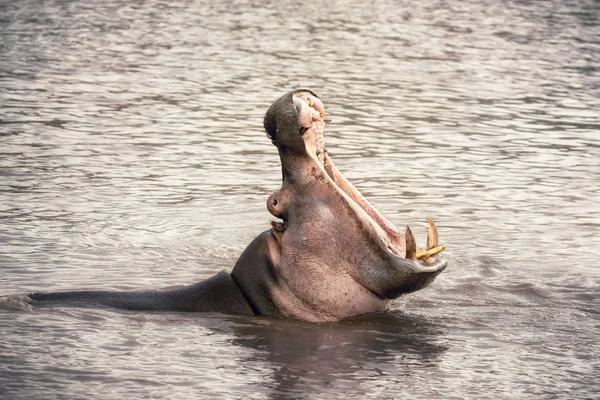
411	245
432	235
424	254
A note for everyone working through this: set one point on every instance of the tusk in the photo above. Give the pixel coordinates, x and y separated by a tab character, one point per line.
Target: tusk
424	254
432	235
411	245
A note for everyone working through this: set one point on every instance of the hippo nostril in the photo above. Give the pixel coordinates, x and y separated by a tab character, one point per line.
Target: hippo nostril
275	205
278	202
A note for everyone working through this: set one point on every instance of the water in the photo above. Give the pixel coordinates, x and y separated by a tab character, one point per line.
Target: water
132	156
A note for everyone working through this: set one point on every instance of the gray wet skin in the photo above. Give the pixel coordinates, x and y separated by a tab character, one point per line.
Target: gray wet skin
331	256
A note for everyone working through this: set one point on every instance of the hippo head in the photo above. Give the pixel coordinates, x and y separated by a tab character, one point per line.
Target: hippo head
332	255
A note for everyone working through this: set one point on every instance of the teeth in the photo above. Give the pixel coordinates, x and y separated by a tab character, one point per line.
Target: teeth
310	102
323	114
432	235
432	243
411	245
425	254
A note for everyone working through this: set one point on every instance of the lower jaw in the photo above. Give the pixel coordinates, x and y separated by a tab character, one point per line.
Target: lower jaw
402	247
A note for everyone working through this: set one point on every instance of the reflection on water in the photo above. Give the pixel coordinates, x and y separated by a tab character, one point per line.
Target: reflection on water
132	155
320	361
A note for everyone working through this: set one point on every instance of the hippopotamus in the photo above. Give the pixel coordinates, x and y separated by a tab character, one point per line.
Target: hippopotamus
330	255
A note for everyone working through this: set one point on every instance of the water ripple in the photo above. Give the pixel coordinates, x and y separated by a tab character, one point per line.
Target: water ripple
132	155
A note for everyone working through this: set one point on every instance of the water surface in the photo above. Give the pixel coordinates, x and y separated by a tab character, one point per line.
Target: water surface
132	155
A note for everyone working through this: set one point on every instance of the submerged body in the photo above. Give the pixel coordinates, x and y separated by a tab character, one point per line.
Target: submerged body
332	255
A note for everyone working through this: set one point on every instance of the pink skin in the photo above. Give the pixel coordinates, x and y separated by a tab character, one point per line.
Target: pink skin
333	255
315	134
397	241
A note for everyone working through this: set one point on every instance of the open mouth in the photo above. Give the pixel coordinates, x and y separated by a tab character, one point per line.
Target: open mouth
312	118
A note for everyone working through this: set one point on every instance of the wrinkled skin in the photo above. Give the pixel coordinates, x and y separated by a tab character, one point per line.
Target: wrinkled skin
331	256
